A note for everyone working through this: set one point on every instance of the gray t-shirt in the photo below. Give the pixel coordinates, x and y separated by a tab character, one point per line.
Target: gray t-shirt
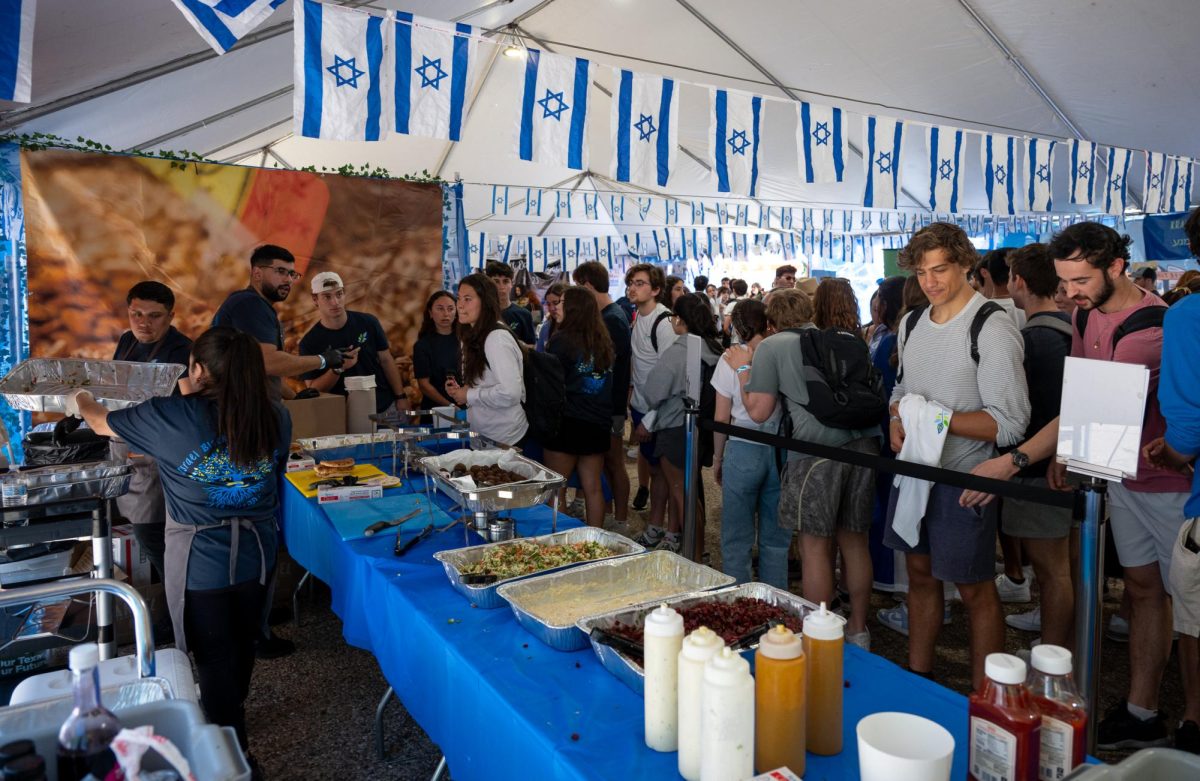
778	369
937	364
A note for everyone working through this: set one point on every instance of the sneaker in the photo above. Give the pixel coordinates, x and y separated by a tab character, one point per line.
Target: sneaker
632	453
1011	592
1120	729
273	647
1118	629
651	536
861	639
1187	737
1026	622
897	617
670	542
641	498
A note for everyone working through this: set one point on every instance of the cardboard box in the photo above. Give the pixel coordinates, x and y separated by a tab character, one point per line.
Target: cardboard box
129	556
322	416
300	464
349	493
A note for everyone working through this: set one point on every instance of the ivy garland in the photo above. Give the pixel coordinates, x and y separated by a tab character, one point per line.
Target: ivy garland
183	157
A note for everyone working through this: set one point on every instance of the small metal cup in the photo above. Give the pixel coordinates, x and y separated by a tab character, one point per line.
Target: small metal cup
500	529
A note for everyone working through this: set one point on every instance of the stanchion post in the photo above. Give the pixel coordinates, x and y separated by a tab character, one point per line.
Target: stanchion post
1089	598
691	482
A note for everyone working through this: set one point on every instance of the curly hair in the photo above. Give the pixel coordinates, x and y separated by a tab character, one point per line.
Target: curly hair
939	235
1191	229
1098	244
835	305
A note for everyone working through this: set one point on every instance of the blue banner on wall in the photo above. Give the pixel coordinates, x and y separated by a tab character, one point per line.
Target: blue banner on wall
14	316
1163	237
456	263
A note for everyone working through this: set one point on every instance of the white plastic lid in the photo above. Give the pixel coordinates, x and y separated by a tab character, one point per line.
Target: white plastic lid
664	622
1051	660
781	643
84	657
1004	668
824	625
701	645
726	668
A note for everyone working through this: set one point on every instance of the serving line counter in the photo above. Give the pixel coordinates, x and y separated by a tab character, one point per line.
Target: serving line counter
498	702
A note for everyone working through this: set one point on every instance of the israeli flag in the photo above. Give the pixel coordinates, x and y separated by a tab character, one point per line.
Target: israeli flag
499	199
477	249
999	156
432	66
883	136
552	127
16	49
1179	191
221	23
821	143
1156	180
1116	187
1083	173
339	72
1039	176
945	160
733	134
645	128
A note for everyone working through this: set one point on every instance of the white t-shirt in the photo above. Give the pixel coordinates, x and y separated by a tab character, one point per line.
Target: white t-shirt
1015	312
644	356
725	382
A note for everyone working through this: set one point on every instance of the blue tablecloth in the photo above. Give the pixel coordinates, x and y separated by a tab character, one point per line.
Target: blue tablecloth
501	705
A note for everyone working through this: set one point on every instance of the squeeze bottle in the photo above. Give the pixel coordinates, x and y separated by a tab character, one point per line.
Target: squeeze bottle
698	648
727	719
780	677
663	637
823	646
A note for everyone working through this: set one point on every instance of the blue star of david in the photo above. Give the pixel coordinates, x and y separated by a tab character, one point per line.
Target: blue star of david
884	161
537	253
570	253
1156	180
474	247
821	134
1117	182
339	63
645	127
1001	174
435	80
555	112
1043	172
1084	170
738	142
946	170
603	253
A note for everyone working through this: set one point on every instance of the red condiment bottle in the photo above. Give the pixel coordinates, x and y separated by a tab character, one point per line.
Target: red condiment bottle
1006	729
1064	713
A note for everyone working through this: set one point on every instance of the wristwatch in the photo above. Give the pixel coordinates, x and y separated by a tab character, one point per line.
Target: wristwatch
1019	459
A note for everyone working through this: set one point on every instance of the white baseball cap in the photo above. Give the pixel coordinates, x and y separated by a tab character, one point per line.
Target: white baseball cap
326	280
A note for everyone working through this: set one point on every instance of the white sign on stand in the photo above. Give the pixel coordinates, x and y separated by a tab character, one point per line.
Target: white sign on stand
1100	426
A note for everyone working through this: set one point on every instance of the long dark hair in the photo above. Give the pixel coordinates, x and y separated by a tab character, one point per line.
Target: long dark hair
891	301
583	328
557	289
749	318
697	316
474	361
835	305
236	379
427	325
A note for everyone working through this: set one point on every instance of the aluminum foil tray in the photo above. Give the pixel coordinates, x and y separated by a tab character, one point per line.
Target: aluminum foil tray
539	488
64	482
548	606
630	672
338	441
485	596
42	384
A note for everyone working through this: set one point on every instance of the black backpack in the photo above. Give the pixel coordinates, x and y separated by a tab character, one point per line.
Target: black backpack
654	329
845	390
1141	320
708	411
988	309
545	393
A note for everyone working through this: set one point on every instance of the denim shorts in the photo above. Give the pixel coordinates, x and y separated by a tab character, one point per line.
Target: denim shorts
960	541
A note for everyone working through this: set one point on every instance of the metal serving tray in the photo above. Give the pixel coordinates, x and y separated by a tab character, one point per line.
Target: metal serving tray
485	596
42	384
540	488
59	483
647	578
630	672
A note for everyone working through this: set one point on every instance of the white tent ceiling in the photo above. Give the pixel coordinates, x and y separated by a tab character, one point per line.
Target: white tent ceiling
133	74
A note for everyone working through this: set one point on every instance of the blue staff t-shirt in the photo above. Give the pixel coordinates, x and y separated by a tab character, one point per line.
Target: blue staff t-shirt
247	311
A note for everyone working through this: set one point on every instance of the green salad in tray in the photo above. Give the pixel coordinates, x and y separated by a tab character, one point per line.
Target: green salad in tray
525	558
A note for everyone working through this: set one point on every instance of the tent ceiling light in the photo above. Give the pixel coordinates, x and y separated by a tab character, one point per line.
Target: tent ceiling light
513	51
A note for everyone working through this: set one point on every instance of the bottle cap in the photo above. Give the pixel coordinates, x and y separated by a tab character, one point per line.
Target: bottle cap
1051	660
726	668
30	767
781	643
84	657
663	622
824	625
701	645
1004	668
14	749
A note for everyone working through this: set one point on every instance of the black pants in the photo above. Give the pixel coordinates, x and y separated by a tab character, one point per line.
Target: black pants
221	626
152	538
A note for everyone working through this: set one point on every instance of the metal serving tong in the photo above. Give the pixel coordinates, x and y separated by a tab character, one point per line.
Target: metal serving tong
406	547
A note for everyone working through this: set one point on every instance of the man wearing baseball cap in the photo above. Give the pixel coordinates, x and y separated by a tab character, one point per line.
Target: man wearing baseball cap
361	339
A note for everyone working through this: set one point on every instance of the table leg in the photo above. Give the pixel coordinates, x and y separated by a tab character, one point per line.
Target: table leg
441	768
296	598
103	568
379	723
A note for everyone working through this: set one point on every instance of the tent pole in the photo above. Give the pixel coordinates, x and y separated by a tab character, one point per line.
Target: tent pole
269	151
229	112
575	182
449	148
246	137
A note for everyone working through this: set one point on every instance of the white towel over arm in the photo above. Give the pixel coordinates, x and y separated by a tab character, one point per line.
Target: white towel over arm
926	424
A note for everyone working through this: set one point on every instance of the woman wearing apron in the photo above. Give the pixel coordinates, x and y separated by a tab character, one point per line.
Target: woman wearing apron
220	454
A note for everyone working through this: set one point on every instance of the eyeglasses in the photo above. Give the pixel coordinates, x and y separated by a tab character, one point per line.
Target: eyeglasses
286	273
639	283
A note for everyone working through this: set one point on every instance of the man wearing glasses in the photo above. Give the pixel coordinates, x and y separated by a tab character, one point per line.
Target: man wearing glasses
252	311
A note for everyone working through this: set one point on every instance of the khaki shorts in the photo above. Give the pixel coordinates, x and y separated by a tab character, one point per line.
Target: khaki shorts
1030	520
1185	583
1145	527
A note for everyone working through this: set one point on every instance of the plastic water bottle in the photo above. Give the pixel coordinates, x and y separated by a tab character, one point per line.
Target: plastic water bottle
84	738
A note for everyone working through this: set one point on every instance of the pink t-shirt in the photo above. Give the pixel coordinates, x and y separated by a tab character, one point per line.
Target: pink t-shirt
1144	347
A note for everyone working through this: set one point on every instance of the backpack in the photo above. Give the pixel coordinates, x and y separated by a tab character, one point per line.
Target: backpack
708	411
1141	320
654	329
988	309
1051	323
545	392
845	390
